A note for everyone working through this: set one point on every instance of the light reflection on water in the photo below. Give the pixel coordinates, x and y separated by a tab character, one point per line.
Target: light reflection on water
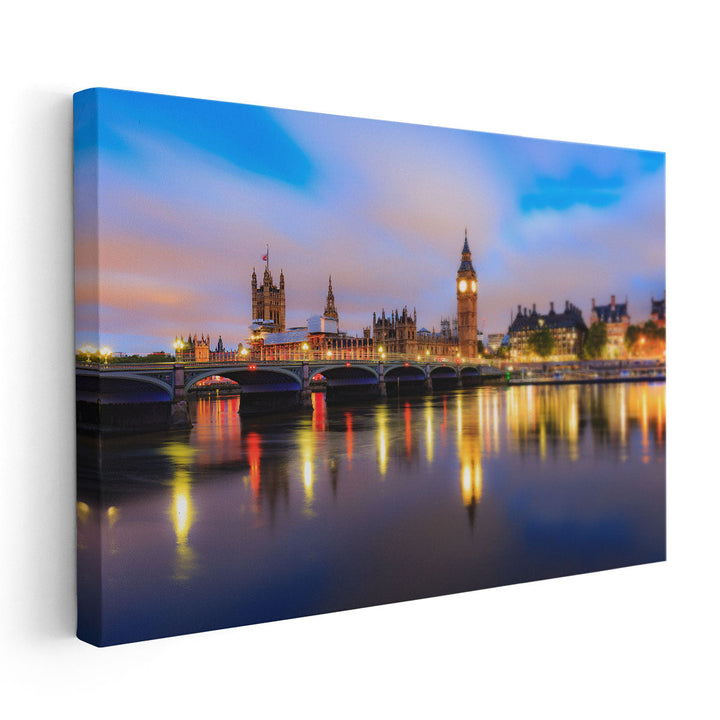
249	520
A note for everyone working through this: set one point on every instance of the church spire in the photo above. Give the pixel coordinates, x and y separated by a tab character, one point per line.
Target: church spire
330	309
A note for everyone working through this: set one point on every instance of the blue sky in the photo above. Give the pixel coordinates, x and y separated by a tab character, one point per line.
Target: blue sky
190	192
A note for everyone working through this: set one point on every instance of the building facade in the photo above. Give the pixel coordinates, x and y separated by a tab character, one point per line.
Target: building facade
466	285
568	331
657	310
397	335
268	301
617	320
198	350
319	339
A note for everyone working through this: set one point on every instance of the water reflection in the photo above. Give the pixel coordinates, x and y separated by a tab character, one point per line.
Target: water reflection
269	517
382	442
469	455
181	510
539	421
429	432
349	437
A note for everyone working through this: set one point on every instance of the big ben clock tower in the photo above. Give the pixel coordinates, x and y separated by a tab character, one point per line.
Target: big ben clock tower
466	285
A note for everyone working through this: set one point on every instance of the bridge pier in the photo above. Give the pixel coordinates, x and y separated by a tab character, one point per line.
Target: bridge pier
381	381
305	392
428	379
179	410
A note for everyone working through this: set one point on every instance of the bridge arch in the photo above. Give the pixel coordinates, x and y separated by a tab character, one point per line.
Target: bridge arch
407	370
445	370
470	371
343	368
116	383
250	380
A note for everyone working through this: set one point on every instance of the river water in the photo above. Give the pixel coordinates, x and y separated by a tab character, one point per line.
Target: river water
242	521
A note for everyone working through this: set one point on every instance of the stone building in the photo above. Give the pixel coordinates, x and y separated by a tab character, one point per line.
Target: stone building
397	335
567	328
198	350
268	301
657	311
320	339
617	319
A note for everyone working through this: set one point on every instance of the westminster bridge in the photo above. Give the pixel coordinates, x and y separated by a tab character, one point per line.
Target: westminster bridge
124	393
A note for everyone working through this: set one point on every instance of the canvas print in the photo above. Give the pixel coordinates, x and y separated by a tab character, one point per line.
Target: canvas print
326	363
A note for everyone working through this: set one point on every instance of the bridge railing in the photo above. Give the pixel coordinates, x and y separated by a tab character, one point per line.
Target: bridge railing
389	359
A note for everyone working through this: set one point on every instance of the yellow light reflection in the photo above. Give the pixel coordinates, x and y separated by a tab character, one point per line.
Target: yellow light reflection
645	425
623	417
182	515
83	515
308	483
660	416
428	434
83	511
471	483
470	456
459	415
496	424
307	452
181	508
383	451
573	424
382	439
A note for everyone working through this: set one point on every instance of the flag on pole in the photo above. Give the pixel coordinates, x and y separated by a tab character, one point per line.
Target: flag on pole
265	258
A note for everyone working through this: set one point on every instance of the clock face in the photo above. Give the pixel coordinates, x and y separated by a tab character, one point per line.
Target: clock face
474	286
463	285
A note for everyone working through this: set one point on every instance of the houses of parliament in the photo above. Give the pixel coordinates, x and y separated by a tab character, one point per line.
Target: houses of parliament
392	334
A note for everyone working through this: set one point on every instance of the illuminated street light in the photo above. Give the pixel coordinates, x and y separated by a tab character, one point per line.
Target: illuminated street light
105	352
88	350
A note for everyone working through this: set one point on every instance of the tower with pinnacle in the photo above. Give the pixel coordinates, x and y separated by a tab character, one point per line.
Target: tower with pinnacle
466	286
268	300
330	309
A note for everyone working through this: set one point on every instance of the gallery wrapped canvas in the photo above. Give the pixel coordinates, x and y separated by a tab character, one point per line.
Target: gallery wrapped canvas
326	363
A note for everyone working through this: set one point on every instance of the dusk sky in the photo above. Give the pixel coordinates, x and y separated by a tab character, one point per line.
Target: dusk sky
190	193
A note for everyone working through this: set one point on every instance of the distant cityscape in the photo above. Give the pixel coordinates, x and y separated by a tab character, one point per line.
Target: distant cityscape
556	335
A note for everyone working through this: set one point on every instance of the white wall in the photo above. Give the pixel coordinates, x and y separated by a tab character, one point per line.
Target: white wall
626	643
